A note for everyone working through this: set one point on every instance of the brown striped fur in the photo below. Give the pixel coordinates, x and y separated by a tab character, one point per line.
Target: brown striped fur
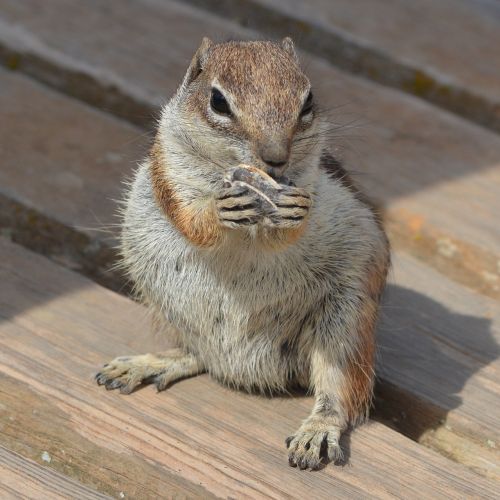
358	389
199	226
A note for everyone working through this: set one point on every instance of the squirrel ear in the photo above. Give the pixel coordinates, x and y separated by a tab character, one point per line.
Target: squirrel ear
198	61
288	46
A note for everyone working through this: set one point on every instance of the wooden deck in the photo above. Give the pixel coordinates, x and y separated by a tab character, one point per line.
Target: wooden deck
435	431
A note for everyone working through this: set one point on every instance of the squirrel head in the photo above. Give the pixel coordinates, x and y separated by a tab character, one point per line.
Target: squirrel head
245	102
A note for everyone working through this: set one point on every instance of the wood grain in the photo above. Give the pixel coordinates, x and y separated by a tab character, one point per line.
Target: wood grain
197	439
22	478
455	39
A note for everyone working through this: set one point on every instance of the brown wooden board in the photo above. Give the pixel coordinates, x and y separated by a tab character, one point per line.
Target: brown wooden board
197	439
23	478
437	175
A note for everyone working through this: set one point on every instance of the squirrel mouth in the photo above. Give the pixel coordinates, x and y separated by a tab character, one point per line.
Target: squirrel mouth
280	179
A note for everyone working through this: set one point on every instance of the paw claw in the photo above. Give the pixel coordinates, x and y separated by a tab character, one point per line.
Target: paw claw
112	384
126	389
313	445
116	374
101	379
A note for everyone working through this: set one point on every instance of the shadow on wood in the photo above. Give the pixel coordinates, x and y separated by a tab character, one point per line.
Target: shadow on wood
428	356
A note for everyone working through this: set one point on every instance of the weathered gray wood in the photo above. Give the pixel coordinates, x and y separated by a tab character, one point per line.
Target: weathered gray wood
196	439
23	478
425	165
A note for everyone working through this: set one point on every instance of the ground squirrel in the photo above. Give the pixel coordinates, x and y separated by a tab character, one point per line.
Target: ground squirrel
262	297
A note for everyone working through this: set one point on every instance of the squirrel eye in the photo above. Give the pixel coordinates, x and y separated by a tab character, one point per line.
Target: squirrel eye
219	104
308	105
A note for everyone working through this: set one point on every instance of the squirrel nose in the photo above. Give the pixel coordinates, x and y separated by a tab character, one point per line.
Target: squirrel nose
275	155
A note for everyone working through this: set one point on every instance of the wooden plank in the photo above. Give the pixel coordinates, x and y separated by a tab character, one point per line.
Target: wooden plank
70	211
196	439
441	343
22	478
423	164
73	205
444	51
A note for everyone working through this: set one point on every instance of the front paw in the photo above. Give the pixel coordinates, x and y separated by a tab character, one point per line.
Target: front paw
292	205
314	444
238	206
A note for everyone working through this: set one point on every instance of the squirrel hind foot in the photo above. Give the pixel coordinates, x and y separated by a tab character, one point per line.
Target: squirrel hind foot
127	373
